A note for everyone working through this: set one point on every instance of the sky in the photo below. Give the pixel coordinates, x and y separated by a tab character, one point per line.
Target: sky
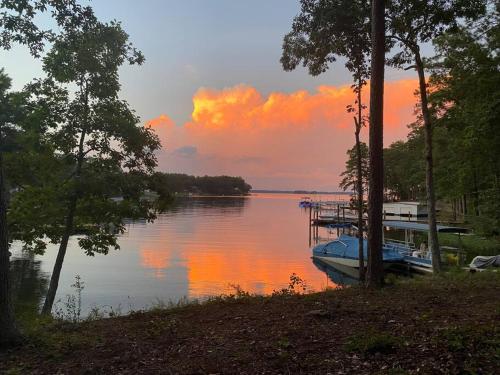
214	90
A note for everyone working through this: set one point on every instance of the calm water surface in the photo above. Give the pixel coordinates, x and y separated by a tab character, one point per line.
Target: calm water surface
199	248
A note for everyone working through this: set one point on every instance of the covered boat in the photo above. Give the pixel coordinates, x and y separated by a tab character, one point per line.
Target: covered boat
483	262
344	251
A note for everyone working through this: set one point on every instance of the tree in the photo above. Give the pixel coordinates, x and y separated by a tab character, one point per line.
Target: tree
100	150
376	165
404	168
412	23
465	77
349	175
323	31
17	26
9	333
173	183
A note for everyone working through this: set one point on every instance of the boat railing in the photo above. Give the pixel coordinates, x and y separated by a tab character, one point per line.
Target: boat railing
400	242
402	247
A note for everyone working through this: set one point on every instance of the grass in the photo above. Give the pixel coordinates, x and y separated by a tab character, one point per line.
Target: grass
371	342
473	244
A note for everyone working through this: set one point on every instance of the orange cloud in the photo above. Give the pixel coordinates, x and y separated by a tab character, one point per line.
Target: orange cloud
282	140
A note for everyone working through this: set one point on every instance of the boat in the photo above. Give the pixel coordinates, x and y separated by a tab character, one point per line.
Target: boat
344	251
418	259
480	263
339	225
305	202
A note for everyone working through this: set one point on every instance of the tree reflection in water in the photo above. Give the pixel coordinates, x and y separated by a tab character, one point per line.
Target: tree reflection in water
29	284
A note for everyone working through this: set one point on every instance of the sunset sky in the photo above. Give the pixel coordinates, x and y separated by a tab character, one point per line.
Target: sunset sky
214	90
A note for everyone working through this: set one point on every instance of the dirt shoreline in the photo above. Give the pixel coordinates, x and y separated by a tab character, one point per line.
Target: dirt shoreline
447	325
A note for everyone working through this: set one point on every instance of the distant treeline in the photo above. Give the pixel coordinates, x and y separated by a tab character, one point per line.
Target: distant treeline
178	183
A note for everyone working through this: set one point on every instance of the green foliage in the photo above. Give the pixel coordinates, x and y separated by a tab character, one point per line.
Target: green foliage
466	78
465	103
349	176
404	169
412	22
473	245
82	147
325	30
17	21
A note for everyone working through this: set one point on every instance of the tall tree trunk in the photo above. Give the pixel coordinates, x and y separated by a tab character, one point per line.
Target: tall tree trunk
359	170
376	167
9	334
429	174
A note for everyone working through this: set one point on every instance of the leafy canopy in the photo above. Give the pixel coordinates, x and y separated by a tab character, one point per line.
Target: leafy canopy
97	154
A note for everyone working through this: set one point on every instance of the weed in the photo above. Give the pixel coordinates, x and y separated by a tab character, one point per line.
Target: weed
160	305
296	286
71	309
239	292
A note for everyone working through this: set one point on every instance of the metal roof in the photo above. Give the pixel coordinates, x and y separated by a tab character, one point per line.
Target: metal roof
421	227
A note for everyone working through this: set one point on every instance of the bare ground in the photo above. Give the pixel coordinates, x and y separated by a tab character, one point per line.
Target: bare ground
441	325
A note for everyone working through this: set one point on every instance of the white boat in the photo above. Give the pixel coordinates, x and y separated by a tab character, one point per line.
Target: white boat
420	261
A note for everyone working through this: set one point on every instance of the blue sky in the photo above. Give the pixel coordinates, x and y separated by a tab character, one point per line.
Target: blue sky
197	43
229	47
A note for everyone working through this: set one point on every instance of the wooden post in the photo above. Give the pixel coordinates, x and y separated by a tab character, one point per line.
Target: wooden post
310	224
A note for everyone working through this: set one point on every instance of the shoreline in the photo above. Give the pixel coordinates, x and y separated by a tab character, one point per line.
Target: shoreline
443	324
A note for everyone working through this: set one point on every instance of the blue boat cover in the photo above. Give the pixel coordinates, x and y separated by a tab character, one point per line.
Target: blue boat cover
347	247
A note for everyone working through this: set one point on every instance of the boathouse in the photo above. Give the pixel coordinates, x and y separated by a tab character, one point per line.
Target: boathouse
405	210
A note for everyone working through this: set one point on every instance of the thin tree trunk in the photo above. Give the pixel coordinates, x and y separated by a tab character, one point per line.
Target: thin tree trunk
69	224
68	230
476	192
359	169
455	208
9	334
56	272
376	168
429	174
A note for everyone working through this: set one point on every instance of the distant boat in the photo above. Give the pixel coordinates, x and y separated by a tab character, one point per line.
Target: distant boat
306	202
344	251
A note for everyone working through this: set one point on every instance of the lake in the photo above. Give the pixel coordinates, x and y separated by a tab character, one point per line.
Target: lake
201	247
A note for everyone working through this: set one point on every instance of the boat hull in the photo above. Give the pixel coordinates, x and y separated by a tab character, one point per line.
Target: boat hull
346	262
354	263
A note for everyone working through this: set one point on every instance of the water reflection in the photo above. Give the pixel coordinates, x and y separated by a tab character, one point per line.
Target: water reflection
199	248
339	275
29	283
